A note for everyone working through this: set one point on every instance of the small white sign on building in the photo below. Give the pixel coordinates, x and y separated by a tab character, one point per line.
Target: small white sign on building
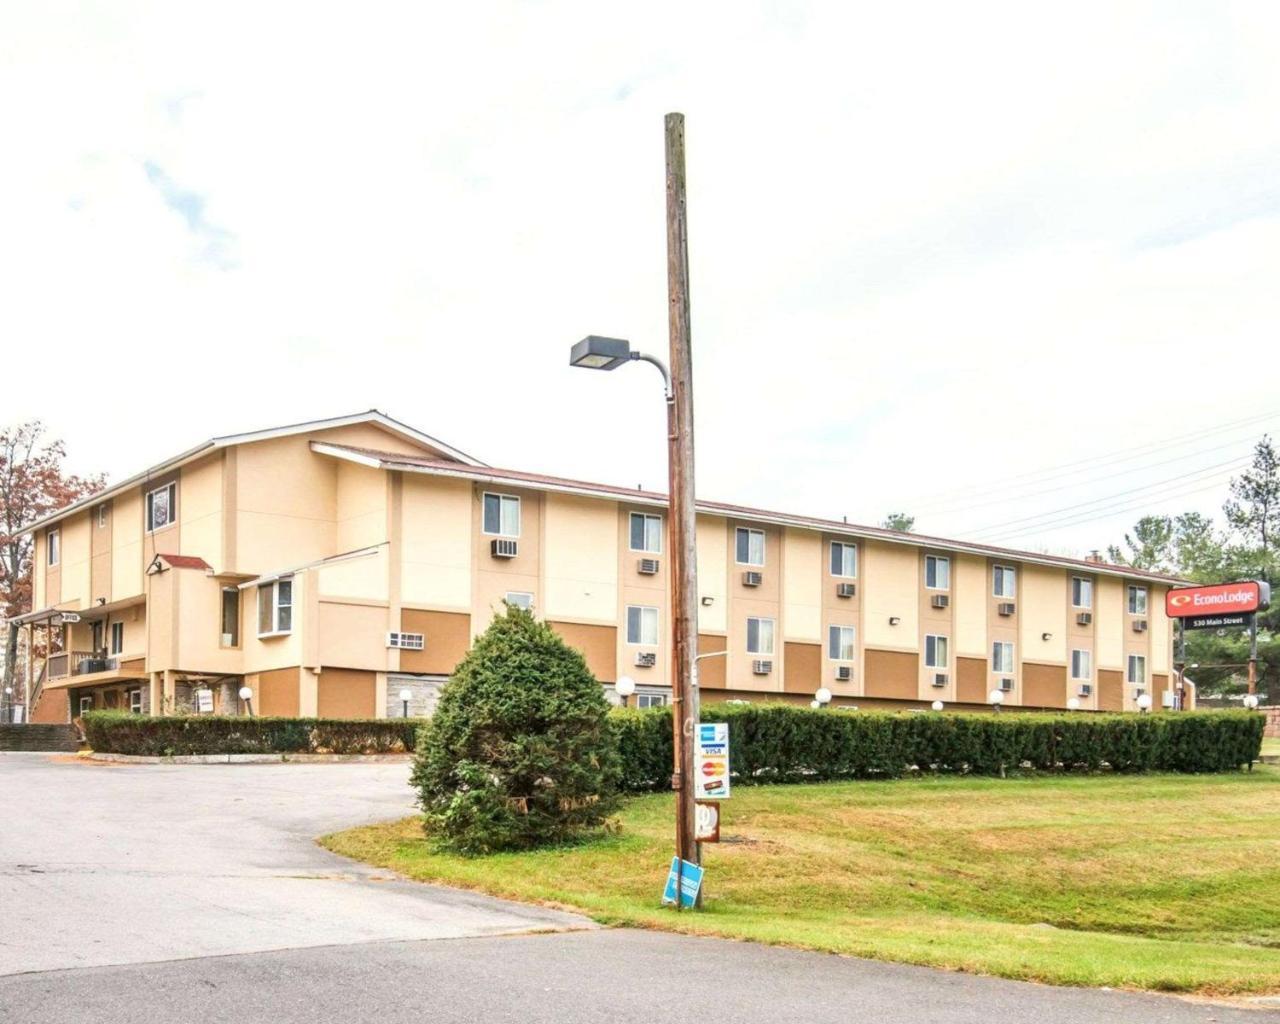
204	702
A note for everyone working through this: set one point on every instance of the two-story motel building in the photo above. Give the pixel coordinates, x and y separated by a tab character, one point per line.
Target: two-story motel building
330	565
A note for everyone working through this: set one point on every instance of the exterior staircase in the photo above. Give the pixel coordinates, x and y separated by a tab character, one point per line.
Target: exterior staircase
48	738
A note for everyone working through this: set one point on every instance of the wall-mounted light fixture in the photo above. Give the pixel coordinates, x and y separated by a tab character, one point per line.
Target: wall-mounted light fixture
894	620
1046	637
707	602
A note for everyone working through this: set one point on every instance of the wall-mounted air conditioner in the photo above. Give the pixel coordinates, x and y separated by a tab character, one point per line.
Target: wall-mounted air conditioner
228	639
646	659
1006	608
751	578
1006	685
1084	619
844	673
846	590
939	679
406	641
761	667
647	567
1139	625
503	547
940	600
1086	689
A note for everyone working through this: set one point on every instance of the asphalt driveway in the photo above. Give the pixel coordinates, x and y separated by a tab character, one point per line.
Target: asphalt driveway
150	893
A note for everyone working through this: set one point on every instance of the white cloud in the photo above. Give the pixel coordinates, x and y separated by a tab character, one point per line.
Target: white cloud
933	245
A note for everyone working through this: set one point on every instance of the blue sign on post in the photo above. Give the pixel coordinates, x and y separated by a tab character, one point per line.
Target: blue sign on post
690	883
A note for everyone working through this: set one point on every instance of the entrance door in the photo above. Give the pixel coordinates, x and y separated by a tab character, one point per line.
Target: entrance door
98	643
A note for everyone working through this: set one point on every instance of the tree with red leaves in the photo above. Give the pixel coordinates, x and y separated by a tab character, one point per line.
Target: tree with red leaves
32	484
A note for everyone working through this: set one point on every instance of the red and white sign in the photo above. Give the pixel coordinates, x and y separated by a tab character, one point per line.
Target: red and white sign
1222	599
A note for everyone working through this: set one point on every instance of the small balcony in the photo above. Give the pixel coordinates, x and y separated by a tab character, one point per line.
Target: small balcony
80	663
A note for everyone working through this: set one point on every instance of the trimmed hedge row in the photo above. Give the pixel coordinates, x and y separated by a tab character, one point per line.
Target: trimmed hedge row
118	732
785	743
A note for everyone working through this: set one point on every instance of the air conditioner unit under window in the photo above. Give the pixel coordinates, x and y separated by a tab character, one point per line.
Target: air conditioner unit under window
752	579
406	641
939	679
761	667
503	547
1006	608
940	600
1086	689
647	567
646	659
1084	619
846	589
1139	625
844	673
1006	685
228	639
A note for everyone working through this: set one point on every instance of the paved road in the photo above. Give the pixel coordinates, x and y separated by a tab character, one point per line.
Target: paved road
148	894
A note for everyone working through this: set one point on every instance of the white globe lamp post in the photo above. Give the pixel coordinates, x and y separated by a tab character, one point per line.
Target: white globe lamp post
624	688
936	705
1251	701
1144	702
823	697
406	695
996	697
246	695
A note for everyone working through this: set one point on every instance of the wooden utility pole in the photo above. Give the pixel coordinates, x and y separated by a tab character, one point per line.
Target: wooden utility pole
683	514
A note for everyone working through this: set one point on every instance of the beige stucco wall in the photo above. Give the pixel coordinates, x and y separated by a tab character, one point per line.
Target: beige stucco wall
1042	608
437	542
277	651
364	576
1108	621
199	647
77	559
713	573
39	565
361	507
352	636
802	581
286	500
200	510
126	546
580	559
1161	631
889	572
970	585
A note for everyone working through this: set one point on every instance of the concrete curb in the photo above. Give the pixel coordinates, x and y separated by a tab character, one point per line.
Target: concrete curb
248	758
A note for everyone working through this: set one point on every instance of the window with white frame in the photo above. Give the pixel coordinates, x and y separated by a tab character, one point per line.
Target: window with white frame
844	559
275	607
1003	580
1137	600
935	651
759	636
646	533
937	572
162	507
642	625
841	642
502	515
135	702
86	703
1138	669
1081	664
53	541
1081	592
749	546
519	599
1002	658
117	638
651	700
102	516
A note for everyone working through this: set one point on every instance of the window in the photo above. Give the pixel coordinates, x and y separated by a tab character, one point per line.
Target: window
750	546
935	651
1138	669
162	506
135	701
1003	580
1002	658
502	515
844	559
275	608
86	704
1081	664
230	617
102	516
642	625
937	572
1081	592
841	642
646	533
650	700
53	541
759	636
1137	600
117	638
519	599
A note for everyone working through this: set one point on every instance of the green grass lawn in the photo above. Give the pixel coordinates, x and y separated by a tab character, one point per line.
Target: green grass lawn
1271	745
1158	882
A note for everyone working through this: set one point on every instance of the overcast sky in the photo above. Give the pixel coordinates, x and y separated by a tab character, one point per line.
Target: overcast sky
937	251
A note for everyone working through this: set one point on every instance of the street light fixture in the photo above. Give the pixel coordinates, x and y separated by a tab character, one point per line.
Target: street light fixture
1251	701
596	353
823	696
996	697
246	695
1144	702
936	705
624	688
406	695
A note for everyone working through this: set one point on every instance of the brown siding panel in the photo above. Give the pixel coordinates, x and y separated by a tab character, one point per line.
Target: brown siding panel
893	674
971	681
802	667
1110	690
1044	686
53	708
346	693
278	693
448	636
598	644
1159	683
711	671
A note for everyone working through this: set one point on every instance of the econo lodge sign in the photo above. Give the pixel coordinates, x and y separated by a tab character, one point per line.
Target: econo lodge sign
1223	599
